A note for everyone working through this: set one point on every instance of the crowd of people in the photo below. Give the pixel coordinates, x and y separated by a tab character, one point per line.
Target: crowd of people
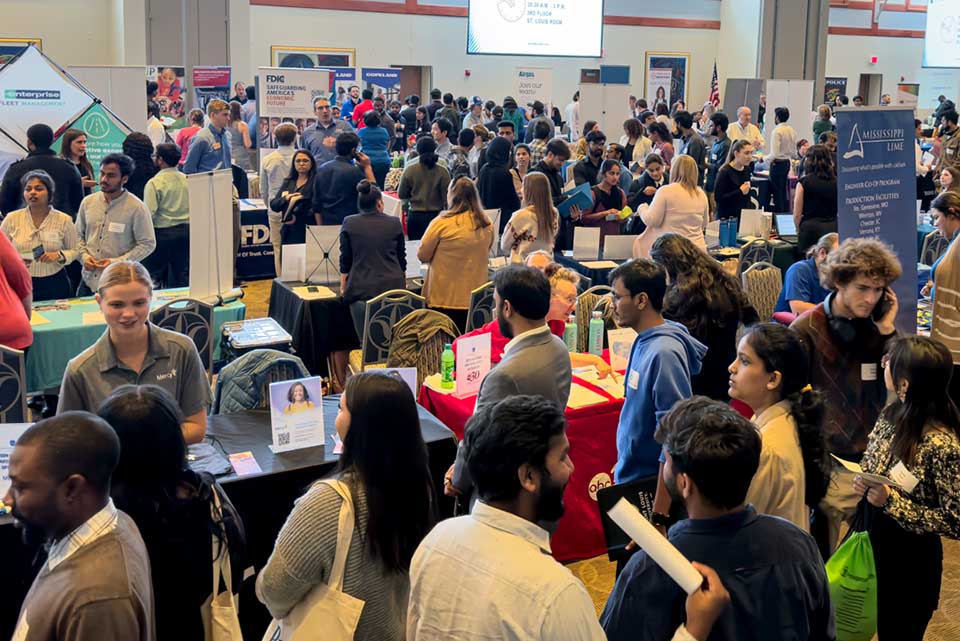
733	417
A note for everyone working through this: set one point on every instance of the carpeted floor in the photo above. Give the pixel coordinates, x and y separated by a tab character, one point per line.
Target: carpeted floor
598	574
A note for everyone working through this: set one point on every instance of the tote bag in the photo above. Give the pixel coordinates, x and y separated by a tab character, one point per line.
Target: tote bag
219	612
852	576
326	612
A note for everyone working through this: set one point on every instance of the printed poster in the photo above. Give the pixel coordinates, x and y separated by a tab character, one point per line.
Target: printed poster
296	414
286	95
171	94
666	77
383	82
832	88
210	83
908	94
343	79
534	83
104	134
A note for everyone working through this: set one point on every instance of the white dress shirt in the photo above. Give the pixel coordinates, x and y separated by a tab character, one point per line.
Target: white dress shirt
98	525
273	171
490	575
751	132
784	142
155	131
56	233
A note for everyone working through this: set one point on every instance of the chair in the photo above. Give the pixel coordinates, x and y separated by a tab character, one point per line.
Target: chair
192	318
640	493
244	384
418	341
382	314
934	244
584	284
586	302
755	251
13	386
481	306
762	284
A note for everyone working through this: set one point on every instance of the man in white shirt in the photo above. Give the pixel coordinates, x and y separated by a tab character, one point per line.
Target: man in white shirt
273	170
783	150
573	116
155	131
743	128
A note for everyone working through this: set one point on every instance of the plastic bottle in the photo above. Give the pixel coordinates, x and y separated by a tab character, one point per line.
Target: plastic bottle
570	332
595	343
447	362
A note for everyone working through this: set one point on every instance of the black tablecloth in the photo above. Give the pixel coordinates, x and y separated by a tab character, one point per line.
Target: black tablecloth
263	500
596	276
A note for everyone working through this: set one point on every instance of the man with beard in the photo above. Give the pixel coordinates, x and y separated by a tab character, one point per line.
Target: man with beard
95	583
778	586
491	574
587	170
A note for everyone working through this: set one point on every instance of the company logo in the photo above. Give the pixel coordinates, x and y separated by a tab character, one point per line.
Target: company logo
168	376
31	94
512	10
527	74
271	78
893	138
96	126
597	483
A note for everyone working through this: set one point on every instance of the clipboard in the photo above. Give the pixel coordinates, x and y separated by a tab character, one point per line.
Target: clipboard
323	254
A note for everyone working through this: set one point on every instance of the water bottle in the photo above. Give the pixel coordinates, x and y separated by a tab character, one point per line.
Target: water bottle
447	362
596	334
570	333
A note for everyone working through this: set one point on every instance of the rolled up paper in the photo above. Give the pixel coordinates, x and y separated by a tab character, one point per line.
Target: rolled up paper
662	551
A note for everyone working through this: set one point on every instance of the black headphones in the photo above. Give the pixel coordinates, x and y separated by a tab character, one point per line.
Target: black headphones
845	329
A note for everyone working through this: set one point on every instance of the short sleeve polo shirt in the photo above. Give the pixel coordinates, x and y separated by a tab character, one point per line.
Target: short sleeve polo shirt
172	362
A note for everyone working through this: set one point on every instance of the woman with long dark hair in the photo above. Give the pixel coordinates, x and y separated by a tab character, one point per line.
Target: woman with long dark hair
171	505
495	183
662	141
771	375
423	125
424	183
73	147
384	465
815	201
707	301
608	198
917	441
295	199
140	149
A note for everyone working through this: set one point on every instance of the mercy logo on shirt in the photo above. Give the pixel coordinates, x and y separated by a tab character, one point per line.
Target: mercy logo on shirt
169	375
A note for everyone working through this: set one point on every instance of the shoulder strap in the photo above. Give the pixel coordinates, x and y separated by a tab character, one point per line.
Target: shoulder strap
344	533
220	549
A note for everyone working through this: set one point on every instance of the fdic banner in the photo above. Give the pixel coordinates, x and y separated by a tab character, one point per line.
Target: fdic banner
877	192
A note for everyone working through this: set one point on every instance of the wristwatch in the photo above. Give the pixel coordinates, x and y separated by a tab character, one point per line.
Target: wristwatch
661	519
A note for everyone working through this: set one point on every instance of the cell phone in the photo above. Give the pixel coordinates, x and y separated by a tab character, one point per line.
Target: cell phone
882	307
312	289
38	252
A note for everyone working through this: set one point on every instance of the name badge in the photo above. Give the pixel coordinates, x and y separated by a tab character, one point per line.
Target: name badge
116	228
868	371
633	380
216	146
904	477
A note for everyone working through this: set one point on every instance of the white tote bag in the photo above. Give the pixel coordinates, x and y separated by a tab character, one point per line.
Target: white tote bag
326	612
219	612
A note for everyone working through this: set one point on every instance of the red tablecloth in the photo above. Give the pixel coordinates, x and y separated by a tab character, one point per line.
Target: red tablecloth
593	450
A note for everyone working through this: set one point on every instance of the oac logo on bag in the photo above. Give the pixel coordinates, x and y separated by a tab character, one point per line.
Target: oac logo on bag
597	483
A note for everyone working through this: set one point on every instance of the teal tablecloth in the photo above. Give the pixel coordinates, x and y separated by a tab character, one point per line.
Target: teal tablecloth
65	336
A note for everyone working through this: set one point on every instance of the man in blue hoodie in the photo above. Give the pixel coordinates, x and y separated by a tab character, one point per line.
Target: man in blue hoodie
663	358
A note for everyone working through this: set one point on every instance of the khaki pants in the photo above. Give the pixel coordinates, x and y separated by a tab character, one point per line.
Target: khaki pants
840	503
276	224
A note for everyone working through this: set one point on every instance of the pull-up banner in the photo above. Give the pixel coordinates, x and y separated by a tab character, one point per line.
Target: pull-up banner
877	192
104	134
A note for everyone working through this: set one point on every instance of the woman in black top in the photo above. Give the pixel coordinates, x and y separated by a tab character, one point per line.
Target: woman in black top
608	199
815	202
295	199
139	147
423	122
171	505
373	255
495	183
732	187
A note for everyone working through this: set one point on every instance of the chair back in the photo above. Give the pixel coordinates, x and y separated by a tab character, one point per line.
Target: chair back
426	354
192	318
762	284
13	386
381	316
756	251
481	306
586	303
244	384
934	244
640	493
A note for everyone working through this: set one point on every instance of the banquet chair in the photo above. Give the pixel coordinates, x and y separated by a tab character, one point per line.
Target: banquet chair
762	284
481	306
586	302
244	384
193	319
934	244
756	251
427	346
381	315
13	386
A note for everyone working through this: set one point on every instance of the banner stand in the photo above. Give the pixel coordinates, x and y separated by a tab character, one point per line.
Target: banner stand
211	234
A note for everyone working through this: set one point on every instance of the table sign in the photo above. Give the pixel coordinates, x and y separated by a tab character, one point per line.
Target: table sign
620	342
586	243
618	247
296	415
414	268
408	374
473	363
9	433
293	263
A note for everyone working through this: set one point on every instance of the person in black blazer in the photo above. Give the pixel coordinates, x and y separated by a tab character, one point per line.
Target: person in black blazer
68	190
495	183
294	201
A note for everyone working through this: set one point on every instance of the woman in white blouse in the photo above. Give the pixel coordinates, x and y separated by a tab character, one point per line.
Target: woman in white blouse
770	374
535	226
45	238
680	207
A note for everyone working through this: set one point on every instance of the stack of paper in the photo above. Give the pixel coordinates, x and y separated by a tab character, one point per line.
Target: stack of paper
318	292
580	396
612	384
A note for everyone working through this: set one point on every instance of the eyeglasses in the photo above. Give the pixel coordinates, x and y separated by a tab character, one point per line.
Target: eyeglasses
570	300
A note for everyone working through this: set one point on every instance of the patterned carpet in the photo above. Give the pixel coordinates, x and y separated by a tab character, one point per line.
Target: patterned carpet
598	574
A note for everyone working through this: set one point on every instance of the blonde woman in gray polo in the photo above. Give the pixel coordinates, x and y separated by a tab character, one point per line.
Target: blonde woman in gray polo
134	351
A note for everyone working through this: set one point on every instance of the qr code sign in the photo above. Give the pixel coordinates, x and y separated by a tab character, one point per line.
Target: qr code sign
283	438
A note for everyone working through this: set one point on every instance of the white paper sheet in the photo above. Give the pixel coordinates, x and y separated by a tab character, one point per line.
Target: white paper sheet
319	293
586	243
598	264
414	268
618	247
293	265
580	396
856	469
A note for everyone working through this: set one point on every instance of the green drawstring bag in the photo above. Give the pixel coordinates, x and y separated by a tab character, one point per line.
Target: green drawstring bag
852	575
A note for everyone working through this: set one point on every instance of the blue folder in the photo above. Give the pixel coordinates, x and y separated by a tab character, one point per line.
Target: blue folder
579	196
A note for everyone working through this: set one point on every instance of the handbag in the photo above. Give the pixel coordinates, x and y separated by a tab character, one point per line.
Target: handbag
326	612
852	575
219	613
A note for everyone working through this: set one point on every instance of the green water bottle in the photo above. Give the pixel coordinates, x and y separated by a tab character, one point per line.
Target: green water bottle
595	342
570	333
447	362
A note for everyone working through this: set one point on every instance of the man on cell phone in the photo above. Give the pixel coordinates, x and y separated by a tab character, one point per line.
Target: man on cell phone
335	189
846	337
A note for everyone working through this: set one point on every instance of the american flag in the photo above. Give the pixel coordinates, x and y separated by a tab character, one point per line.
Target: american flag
715	88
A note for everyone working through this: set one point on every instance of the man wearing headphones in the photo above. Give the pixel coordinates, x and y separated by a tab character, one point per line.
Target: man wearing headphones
846	337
